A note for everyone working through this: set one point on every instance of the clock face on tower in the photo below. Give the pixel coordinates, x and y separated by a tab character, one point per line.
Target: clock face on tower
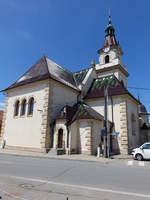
106	49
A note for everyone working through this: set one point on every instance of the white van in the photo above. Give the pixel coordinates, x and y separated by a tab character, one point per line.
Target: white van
143	152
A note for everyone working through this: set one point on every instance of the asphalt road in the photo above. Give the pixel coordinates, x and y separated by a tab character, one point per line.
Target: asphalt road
28	178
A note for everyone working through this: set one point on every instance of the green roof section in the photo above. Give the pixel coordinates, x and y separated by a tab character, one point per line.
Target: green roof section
109	81
80	75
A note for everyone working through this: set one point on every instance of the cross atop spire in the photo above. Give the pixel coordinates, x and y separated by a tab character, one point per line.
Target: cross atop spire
110	29
109	18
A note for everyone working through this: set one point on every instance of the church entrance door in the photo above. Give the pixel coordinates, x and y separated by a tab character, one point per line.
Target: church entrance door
60	138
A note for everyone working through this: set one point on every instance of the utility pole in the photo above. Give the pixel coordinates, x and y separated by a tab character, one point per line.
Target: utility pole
107	83
106	121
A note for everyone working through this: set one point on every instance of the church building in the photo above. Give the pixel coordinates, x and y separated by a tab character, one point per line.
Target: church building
50	109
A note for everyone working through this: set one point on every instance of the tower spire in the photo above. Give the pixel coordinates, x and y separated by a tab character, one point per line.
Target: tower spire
110	38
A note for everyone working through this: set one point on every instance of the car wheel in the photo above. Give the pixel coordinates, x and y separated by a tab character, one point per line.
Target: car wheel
139	157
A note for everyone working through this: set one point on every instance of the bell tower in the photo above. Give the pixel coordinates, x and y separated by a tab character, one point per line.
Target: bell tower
110	56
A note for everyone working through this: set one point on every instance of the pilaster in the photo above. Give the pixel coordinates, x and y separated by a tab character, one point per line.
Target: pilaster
45	133
123	126
88	138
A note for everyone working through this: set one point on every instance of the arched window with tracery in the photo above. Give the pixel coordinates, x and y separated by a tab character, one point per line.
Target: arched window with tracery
23	107
16	108
107	59
31	106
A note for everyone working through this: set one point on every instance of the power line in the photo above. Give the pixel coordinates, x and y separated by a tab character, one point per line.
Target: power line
137	88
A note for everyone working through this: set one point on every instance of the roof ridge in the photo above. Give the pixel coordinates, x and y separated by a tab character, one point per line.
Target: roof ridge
45	60
28	70
63	68
75	80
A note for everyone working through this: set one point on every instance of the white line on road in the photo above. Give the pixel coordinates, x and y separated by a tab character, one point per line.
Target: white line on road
130	162
82	187
12	195
141	163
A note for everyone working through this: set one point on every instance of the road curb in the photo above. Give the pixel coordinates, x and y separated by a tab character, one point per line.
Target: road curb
56	158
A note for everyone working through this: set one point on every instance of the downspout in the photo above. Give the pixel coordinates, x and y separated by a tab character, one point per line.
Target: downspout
112	110
112	126
52	133
68	138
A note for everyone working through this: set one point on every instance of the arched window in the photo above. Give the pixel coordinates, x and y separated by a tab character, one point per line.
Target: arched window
16	108
107	59
31	106
23	107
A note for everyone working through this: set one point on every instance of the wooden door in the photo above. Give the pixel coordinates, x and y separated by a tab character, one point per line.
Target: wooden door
60	138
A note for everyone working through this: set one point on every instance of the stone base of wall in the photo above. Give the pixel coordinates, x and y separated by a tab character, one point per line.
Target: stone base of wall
29	149
124	151
86	152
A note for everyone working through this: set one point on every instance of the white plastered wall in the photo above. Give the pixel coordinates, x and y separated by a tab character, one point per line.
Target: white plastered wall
78	133
61	95
25	131
83	124
98	105
114	57
132	108
74	133
96	132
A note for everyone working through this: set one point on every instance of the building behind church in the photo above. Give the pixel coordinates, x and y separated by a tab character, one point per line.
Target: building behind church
50	108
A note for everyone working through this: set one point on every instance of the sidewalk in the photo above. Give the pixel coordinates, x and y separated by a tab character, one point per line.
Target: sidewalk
77	157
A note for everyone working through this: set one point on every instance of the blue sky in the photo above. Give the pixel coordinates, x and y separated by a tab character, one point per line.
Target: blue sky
70	32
